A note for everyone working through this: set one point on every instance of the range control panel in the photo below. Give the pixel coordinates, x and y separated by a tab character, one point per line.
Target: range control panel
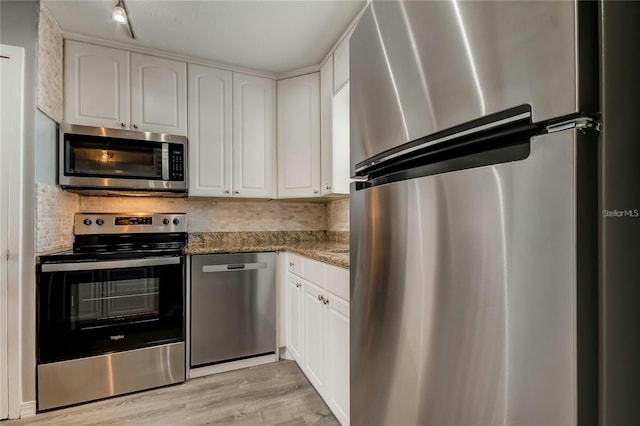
129	223
134	220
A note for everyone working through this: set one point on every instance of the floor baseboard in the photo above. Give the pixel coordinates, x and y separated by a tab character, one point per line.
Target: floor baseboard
233	365
27	409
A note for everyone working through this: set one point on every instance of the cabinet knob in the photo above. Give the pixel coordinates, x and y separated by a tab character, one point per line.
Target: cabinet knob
123	125
226	191
325	301
291	264
236	191
298	285
315	191
135	126
320	298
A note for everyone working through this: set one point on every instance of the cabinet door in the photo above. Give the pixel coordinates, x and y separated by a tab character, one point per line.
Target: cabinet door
341	142
253	136
96	85
341	65
326	127
210	141
294	317
299	136
158	94
337	357
313	311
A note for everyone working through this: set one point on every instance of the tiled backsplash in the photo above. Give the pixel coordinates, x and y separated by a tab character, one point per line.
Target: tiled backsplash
55	209
54	218
338	215
205	215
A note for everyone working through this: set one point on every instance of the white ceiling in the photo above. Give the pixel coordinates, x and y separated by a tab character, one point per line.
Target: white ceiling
272	36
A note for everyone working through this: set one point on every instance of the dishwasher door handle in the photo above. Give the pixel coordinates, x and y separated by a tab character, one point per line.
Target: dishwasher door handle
234	267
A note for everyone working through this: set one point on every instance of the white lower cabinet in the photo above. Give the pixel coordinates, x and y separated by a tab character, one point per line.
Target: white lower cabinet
337	356
313	312
318	317
294	316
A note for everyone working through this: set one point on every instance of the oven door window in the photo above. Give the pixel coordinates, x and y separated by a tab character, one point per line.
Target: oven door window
116	300
90	156
87	313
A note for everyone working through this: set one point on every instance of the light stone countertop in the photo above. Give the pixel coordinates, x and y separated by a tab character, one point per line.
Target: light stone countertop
331	252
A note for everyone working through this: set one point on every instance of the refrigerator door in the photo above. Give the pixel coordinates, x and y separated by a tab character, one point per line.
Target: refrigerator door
463	295
418	67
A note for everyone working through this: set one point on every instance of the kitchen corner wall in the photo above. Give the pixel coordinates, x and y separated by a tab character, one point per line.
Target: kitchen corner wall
55	208
208	215
50	54
338	215
54	218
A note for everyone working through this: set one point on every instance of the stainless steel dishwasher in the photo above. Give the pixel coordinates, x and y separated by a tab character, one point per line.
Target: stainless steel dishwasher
233	306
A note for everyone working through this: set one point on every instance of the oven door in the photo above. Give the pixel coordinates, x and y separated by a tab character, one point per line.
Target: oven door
92	308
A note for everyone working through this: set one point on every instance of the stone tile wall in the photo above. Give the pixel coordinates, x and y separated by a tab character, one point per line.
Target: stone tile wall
55	209
50	59
54	218
338	215
206	215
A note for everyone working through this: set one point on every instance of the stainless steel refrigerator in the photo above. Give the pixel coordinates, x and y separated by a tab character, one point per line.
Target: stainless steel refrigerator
474	217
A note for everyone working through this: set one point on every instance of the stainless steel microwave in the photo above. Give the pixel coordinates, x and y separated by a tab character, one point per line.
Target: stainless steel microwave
101	160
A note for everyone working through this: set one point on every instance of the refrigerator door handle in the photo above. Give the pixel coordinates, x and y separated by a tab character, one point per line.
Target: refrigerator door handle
361	169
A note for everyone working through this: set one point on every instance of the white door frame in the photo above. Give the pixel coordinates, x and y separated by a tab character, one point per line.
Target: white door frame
11	147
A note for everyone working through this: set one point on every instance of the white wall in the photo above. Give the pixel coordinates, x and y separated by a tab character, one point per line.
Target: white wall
45	155
19	27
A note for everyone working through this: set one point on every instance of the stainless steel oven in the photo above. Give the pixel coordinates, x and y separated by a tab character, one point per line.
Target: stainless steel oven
98	159
92	307
110	313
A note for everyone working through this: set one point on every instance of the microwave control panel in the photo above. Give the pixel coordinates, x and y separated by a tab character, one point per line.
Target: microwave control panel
176	162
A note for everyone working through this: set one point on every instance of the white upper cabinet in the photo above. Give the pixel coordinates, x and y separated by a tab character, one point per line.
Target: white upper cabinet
341	141
210	142
334	134
117	89
96	85
341	65
253	136
299	136
158	94
326	127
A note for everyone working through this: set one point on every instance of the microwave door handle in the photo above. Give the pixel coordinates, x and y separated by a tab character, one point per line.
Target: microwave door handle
165	161
115	264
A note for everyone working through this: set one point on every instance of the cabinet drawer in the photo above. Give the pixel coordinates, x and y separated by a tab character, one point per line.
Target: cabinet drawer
314	271
294	264
337	281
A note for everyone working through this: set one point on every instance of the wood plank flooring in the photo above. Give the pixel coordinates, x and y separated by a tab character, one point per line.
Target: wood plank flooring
271	394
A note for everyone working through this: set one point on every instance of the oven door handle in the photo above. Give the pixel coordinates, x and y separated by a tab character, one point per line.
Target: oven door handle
115	264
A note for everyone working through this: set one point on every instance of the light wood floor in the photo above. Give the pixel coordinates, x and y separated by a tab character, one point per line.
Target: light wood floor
268	394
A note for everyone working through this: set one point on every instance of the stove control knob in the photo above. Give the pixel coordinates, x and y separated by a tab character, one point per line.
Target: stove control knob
87	222
176	221
99	222
165	221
